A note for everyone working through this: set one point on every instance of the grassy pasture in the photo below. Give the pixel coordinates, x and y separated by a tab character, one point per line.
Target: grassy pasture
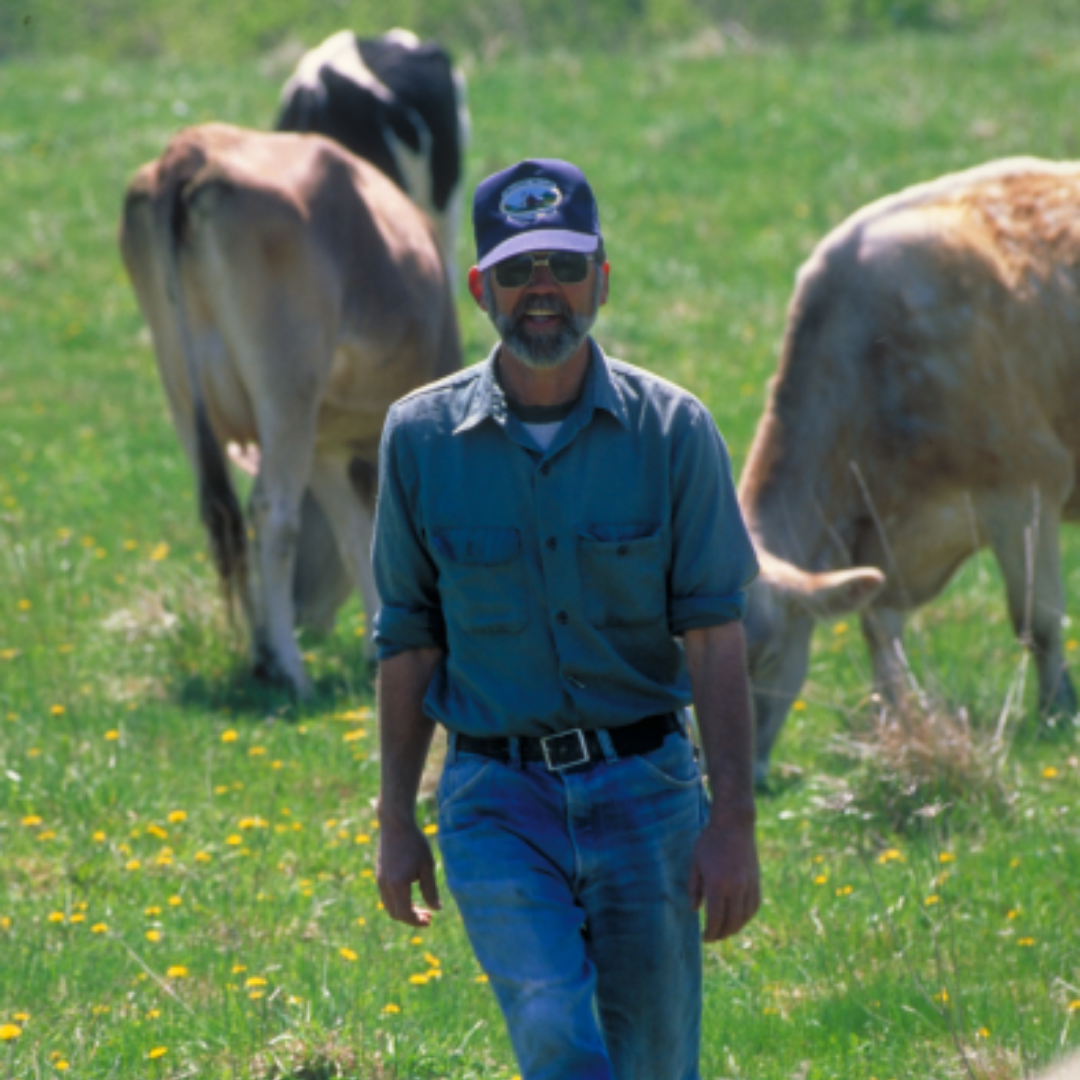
185	859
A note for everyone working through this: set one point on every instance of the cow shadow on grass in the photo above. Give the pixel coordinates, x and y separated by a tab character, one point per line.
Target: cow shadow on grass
245	694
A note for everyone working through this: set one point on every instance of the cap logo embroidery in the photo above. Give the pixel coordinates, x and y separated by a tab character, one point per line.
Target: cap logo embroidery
528	200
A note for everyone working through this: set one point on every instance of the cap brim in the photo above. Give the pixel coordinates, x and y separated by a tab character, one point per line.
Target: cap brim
540	240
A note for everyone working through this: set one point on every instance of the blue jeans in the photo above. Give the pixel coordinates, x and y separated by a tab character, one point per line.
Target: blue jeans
573	887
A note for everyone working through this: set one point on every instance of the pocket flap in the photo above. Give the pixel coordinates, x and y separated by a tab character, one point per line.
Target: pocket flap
477	547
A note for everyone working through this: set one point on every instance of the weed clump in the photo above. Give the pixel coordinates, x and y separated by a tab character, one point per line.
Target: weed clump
918	759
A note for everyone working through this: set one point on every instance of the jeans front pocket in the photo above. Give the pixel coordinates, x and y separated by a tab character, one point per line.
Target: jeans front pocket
623	574
481	579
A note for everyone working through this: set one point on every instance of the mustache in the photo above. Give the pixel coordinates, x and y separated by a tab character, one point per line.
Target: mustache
541	305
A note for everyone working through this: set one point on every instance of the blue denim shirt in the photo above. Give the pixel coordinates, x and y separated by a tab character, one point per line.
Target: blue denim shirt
556	581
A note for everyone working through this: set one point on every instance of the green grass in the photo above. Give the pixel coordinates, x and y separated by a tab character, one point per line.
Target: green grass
120	675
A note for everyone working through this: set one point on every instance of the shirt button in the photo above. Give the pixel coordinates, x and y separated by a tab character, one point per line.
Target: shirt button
545	468
562	618
551	543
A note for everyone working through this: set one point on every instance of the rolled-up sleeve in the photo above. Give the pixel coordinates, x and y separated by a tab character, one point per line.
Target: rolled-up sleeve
713	559
407	579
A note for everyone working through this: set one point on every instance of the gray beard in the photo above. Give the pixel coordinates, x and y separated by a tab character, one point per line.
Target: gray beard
544	350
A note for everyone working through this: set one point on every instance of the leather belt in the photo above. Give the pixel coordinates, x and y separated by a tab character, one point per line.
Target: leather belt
577	746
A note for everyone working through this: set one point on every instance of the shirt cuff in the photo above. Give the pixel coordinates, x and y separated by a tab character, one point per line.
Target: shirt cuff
399	629
695	612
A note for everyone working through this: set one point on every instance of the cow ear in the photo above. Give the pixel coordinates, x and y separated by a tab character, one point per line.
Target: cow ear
841	591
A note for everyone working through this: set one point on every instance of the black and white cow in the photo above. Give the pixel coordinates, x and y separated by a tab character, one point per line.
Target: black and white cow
398	103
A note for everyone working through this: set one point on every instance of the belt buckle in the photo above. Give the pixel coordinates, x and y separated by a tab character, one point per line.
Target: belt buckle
554	752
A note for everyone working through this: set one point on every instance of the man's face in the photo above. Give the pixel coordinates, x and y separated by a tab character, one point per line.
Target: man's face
544	321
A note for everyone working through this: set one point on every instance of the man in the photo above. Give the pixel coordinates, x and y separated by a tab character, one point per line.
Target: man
548	524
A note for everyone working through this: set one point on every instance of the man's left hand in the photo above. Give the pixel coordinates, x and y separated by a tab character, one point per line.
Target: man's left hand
724	875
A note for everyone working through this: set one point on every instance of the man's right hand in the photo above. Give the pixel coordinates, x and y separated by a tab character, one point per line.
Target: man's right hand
405	857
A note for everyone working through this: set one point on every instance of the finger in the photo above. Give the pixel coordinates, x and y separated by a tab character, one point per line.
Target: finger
397	900
716	917
429	889
696	888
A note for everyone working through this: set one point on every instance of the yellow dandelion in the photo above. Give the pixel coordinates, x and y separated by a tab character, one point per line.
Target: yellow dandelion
390	1008
57	710
20	1017
840	628
234	840
31	821
481	979
237	969
932	900
1073	1006
160	552
157	1052
99	928
821	879
1014	863
983	1033
78	917
48	834
255	980
9	1032
175	901
157	832
151	911
203	857
845	890
891	855
799	705
33	752
229	736
361	921
256	994
112	736
132	864
177	971
431	959
61	1065
1012	914
5	922
417	940
1049	772
430	830
56	917
24	605
946	857
9	654
942	996
154	935
257	751
152	1014
352	736
349	954
1025	942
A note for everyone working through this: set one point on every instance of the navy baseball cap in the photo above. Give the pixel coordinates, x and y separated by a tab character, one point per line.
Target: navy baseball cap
537	205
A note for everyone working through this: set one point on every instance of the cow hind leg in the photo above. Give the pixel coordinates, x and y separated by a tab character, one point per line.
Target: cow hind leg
1024	538
347	495
321	581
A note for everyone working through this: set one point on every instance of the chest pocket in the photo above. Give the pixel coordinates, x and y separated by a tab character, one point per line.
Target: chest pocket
623	575
481	579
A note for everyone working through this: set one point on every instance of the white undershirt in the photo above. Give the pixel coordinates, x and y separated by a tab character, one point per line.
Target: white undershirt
543	434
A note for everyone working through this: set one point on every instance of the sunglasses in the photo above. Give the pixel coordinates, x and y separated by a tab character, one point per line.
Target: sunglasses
567	268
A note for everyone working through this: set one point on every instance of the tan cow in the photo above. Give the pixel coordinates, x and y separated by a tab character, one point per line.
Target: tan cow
926	405
293	293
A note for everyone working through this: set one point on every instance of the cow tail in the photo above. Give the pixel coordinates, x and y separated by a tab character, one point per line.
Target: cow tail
219	507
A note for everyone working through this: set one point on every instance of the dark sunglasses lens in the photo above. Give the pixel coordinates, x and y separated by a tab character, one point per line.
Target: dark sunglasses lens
513	273
568	267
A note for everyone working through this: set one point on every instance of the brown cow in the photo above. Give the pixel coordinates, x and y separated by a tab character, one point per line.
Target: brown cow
293	293
926	405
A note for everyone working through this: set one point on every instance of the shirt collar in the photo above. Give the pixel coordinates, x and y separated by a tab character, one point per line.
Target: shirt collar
600	392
